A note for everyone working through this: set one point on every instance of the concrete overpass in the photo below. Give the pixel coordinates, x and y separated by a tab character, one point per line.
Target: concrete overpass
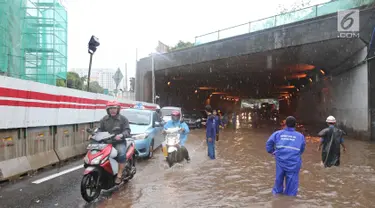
331	75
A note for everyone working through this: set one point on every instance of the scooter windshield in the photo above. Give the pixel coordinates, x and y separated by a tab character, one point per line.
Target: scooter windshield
102	136
172	130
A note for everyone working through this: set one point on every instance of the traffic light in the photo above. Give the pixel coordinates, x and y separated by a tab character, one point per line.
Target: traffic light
93	44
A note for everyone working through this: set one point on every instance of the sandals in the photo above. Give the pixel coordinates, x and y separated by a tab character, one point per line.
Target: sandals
118	180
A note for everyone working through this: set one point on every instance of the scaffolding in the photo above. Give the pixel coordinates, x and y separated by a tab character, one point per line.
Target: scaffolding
33	44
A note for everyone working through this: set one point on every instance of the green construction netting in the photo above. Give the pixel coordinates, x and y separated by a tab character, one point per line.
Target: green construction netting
33	40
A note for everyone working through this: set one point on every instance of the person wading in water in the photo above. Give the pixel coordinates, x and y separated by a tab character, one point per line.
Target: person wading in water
331	140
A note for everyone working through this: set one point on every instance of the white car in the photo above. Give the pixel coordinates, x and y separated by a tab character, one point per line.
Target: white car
167	111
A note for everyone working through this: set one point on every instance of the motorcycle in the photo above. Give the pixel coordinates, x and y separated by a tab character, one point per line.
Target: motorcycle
100	166
172	150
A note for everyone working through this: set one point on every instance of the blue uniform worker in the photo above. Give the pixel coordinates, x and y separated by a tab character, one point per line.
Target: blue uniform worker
174	123
287	145
210	132
218	123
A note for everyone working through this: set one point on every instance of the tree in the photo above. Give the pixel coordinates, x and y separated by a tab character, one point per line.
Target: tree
300	4
60	83
95	87
297	5
84	79
74	81
180	45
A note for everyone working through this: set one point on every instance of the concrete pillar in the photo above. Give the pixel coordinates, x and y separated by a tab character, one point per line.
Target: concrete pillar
371	92
142	84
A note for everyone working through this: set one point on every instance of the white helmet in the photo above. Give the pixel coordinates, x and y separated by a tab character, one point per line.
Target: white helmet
331	119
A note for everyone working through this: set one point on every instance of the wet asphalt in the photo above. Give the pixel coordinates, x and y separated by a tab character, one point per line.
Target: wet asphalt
241	176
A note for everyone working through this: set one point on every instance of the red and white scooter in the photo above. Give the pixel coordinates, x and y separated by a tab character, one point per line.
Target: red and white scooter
100	165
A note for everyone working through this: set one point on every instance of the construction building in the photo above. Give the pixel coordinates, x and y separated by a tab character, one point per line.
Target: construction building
33	40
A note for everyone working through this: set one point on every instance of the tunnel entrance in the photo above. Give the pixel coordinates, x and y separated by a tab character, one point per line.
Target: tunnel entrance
305	83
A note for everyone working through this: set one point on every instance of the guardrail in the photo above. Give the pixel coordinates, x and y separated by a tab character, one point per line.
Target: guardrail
281	19
29	149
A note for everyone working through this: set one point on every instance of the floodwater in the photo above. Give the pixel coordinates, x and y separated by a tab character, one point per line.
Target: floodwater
243	176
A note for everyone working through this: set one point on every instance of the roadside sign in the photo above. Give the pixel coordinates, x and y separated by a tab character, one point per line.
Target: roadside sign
117	77
139	106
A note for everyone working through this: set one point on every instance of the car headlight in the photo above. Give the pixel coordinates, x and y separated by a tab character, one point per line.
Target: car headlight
96	160
140	136
198	120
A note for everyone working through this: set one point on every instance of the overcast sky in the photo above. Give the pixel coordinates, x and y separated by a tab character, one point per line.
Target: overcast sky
122	26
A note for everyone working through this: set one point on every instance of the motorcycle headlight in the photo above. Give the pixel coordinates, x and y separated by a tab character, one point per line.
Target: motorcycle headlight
105	159
198	120
86	159
96	160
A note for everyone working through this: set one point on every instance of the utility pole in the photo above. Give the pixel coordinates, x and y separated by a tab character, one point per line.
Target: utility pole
126	78
136	71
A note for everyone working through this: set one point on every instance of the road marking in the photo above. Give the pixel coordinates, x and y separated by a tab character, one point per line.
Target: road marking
57	175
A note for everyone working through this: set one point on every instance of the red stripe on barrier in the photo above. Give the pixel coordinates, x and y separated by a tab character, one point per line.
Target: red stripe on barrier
24	94
16	103
16	93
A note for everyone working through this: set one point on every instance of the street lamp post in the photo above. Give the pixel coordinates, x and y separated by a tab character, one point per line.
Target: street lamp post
93	44
153	77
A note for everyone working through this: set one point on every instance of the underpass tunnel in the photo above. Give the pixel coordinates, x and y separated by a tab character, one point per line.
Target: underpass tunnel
225	89
310	82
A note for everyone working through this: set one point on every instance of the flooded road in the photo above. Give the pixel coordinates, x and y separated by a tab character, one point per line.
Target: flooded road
243	176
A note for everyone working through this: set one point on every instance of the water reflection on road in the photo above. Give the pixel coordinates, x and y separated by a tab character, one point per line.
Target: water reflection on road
243	176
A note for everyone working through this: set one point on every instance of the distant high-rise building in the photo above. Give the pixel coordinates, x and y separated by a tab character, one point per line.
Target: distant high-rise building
103	76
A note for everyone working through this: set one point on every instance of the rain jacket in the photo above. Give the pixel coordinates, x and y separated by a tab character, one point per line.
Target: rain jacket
183	136
331	139
109	122
211	127
287	145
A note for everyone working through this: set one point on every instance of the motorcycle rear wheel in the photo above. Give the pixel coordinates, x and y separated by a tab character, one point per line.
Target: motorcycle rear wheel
171	158
89	181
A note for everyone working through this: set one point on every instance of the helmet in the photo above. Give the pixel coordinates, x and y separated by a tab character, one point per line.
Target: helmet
176	115
113	104
157	109
331	119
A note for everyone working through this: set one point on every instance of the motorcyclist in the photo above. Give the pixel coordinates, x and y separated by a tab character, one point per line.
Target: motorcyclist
331	139
184	130
107	124
157	109
255	118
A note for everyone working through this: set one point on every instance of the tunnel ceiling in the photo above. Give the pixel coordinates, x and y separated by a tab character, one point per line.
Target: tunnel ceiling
259	75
